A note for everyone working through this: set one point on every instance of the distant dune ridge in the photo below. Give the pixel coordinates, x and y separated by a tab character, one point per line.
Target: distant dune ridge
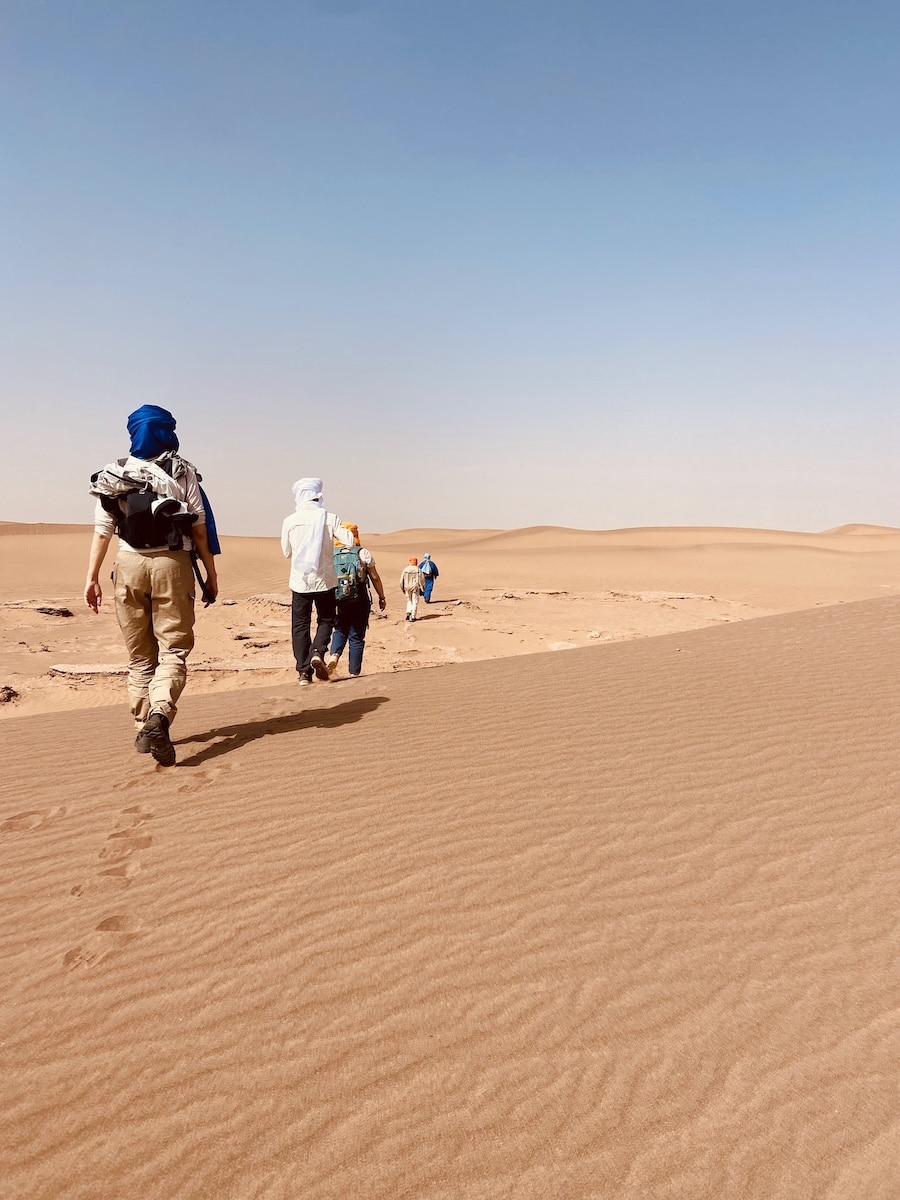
501	593
618	920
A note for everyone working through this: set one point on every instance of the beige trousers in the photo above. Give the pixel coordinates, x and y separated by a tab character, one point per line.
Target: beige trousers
155	609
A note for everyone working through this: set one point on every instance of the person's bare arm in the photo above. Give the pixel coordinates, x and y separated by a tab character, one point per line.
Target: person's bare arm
201	541
93	593
379	586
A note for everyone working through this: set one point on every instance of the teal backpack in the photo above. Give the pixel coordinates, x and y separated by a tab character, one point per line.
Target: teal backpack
349	571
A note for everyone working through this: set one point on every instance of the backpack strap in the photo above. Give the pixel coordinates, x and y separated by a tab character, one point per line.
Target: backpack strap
110	505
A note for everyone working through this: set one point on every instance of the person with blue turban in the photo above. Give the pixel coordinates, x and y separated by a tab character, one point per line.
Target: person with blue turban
429	569
152	431
153	501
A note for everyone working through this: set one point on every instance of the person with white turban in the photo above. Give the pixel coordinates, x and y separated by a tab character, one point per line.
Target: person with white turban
307	537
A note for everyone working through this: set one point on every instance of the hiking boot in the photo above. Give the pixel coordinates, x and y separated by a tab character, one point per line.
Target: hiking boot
318	665
331	663
142	742
156	730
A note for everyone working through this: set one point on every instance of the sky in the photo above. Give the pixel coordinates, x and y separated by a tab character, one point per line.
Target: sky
480	264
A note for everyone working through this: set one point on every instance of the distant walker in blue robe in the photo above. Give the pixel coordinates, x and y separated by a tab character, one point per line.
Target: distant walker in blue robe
429	569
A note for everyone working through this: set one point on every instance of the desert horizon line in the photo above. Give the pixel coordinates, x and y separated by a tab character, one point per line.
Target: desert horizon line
845	527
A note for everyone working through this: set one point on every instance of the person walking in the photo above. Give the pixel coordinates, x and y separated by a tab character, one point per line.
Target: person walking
307	536
153	501
412	584
430	571
356	572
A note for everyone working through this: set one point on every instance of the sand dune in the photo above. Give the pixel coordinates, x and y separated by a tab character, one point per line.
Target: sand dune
39	529
501	593
864	529
612	923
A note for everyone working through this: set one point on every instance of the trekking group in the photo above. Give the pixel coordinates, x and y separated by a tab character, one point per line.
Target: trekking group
153	501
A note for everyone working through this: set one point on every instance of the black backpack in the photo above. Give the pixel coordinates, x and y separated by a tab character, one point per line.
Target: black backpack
143	517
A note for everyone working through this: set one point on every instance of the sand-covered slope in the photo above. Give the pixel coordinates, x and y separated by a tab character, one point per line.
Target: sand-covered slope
620	922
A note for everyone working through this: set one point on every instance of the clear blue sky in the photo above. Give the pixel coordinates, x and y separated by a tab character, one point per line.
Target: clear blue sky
478	263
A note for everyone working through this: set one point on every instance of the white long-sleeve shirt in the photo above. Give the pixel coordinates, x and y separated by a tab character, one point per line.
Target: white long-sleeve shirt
293	531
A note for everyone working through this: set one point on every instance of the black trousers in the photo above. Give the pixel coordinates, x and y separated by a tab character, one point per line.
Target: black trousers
304	645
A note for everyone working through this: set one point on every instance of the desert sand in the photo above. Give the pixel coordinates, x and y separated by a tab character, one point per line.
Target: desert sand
500	594
587	888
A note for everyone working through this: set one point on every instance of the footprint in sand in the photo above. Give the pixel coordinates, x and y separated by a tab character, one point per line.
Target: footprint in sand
31	820
129	839
122	874
136	817
120	923
138	810
121	864
203	776
139	783
126	841
111	879
119	856
110	936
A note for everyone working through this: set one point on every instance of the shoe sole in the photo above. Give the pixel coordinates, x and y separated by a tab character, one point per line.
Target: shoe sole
319	667
161	747
163	752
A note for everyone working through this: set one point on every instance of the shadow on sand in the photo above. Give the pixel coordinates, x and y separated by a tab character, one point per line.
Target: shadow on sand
225	738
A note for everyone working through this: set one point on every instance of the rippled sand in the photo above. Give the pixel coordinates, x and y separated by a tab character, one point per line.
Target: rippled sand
619	922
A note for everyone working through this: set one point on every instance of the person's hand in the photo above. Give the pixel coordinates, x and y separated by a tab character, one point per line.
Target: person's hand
93	594
212	590
382	603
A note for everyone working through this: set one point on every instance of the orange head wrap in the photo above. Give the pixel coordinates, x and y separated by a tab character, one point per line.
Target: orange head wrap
354	529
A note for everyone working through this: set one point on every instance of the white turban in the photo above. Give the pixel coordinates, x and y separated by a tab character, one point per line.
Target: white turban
309	538
307	491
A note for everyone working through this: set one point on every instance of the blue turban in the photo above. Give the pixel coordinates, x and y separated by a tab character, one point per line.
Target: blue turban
152	431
